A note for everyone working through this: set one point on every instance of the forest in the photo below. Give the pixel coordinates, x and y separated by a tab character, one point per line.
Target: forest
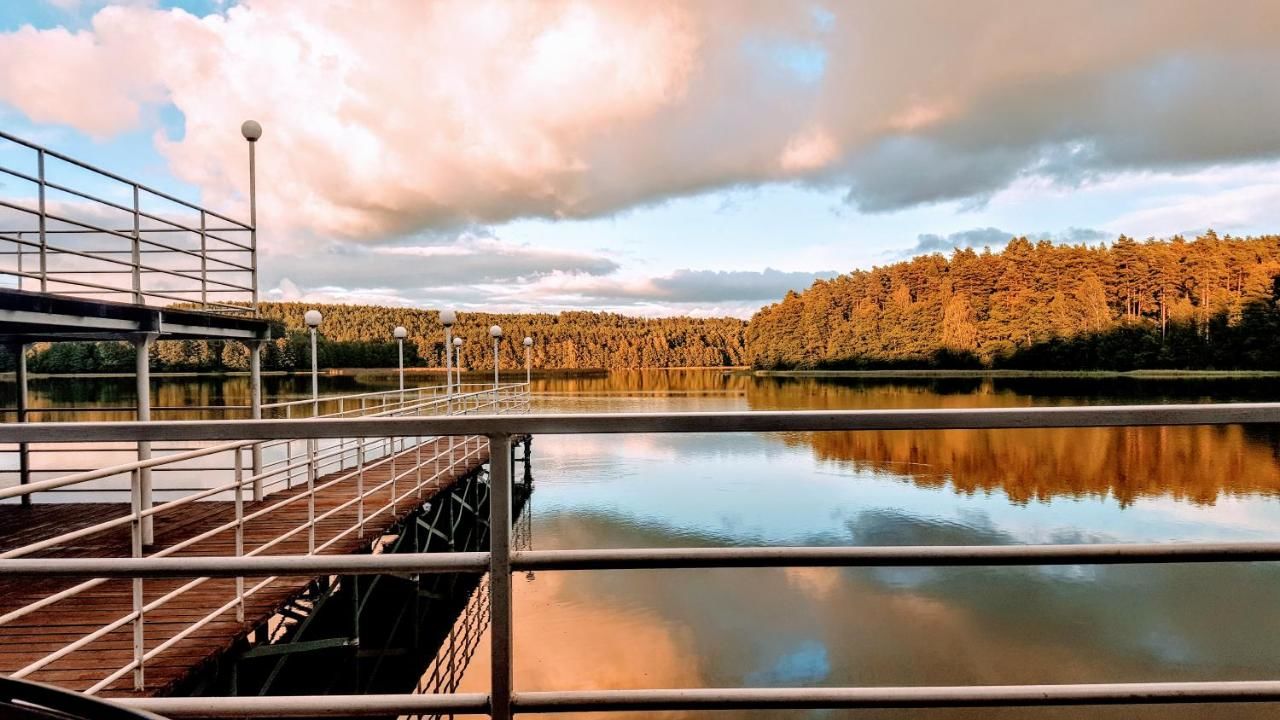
1208	302
359	336
1205	303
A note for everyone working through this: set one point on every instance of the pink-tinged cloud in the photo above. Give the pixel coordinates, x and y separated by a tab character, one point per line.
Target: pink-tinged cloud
384	118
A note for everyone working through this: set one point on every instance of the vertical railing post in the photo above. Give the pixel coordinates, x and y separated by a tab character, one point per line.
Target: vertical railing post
137	248
239	531
43	222
311	496
393	479
288	452
136	541
360	484
204	262
417	459
342	442
500	683
24	449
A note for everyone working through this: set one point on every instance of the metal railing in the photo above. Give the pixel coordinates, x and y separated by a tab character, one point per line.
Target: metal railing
327	464
70	228
54	461
502	700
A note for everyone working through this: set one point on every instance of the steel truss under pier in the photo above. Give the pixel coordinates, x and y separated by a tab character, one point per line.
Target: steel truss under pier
385	633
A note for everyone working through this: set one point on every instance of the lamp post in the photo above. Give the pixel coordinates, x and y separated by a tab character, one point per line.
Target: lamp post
313	318
400	334
457	359
528	362
447	319
251	131
496	333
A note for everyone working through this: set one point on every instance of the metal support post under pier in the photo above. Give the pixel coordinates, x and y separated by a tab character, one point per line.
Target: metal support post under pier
24	454
255	410
142	346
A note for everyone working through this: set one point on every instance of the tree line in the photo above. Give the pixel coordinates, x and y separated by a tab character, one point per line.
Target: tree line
359	336
1205	302
1208	302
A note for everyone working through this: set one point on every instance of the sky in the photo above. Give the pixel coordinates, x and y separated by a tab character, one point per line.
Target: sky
656	157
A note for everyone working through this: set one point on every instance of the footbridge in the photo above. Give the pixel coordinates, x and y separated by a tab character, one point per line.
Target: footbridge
314	497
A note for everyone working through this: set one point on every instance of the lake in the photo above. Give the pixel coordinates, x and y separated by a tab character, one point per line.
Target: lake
836	627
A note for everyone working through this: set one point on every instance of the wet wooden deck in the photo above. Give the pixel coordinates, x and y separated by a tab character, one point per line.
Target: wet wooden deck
32	637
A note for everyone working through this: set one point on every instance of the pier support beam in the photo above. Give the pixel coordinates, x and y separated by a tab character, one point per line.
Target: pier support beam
19	351
142	346
255	410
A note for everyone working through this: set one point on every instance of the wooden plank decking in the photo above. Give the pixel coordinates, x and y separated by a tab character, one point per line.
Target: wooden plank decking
30	638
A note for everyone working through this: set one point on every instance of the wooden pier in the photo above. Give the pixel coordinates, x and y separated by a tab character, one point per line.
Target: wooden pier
58	625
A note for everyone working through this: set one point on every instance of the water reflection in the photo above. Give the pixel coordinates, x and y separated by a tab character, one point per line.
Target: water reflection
1198	464
820	626
834	627
815	626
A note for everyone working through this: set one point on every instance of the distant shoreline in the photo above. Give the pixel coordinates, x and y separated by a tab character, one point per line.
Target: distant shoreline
735	370
1136	374
336	372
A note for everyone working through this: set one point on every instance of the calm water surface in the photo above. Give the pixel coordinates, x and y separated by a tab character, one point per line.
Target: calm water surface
836	627
815	626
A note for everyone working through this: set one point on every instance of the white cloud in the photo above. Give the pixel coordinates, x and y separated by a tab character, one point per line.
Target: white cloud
533	281
1224	199
383	118
995	238
389	126
468	259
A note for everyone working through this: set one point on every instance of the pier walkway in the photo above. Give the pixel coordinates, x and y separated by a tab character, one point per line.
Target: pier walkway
322	497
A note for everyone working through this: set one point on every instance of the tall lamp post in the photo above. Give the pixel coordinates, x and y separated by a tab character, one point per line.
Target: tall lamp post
496	333
447	319
400	334
457	361
528	360
252	131
313	318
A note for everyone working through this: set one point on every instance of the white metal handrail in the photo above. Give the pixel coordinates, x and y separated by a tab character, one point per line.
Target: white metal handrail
430	399
365	455
502	701
77	256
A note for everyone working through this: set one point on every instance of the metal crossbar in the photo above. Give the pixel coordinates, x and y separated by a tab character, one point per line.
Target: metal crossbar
54	240
502	701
